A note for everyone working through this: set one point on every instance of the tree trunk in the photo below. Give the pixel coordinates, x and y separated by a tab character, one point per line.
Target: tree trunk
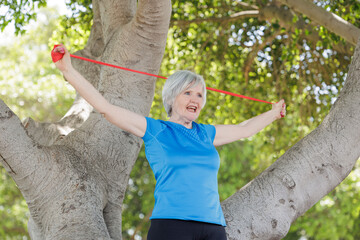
73	173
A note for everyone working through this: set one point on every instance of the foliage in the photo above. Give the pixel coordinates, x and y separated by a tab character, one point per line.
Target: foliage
74	30
248	56
30	84
19	12
13	210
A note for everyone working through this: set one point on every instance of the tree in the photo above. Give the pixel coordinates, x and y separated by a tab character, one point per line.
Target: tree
62	174
38	91
86	194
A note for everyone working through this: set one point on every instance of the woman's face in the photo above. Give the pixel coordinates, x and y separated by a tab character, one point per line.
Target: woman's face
188	104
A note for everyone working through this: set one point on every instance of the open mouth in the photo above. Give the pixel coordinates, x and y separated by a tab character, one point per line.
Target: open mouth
192	109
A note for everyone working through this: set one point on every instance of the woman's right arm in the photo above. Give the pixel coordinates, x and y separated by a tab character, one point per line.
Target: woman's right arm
121	117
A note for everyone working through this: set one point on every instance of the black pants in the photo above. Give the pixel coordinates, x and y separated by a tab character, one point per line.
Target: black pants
172	229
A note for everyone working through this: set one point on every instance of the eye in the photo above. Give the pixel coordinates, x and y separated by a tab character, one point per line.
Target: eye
187	93
199	95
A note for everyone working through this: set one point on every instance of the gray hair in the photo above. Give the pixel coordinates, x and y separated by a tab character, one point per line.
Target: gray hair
177	83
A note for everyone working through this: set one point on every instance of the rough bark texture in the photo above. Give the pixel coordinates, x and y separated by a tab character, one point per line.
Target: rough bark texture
73	173
266	207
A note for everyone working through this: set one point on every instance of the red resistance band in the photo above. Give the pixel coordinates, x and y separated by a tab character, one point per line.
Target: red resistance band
56	56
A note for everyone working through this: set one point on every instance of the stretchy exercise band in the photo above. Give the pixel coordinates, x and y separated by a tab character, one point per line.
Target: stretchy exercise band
56	56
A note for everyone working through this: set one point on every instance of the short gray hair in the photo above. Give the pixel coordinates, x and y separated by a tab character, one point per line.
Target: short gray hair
177	83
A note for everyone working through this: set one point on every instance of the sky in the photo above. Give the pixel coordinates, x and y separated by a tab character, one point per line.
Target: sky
60	4
8	35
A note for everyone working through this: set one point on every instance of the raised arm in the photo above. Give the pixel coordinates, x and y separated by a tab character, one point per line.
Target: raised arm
230	133
121	117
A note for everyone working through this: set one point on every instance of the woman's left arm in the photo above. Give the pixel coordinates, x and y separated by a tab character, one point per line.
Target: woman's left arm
230	133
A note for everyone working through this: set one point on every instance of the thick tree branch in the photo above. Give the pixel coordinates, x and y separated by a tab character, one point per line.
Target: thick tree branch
112	217
327	19
96	42
150	28
154	14
44	175
7	165
114	14
46	134
304	174
34	230
16	147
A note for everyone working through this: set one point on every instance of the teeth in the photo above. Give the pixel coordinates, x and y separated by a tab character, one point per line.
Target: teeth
192	108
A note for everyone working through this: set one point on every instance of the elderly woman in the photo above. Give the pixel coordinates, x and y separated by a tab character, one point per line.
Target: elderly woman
181	152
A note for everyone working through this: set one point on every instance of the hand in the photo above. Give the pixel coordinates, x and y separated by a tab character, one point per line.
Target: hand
64	64
279	108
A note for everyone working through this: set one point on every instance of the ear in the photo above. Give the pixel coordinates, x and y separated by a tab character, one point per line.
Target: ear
170	102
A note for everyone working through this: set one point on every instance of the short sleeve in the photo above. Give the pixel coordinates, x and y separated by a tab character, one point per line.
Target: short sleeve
210	131
153	127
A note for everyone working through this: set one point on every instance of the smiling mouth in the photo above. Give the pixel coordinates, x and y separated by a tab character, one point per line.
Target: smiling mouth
192	109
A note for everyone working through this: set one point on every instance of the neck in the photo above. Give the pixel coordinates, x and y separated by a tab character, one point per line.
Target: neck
186	123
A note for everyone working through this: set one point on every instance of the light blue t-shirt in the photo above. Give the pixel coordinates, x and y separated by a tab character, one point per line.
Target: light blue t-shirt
185	163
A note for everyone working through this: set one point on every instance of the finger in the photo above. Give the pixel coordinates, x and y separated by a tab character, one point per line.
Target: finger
283	110
282	114
57	53
59	48
56	47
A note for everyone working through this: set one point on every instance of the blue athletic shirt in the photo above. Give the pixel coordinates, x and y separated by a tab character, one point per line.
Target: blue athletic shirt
185	163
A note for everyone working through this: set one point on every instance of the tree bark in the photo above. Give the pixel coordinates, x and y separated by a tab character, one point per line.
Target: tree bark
266	207
73	174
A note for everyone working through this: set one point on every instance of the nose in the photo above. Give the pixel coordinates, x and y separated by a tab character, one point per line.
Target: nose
194	99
